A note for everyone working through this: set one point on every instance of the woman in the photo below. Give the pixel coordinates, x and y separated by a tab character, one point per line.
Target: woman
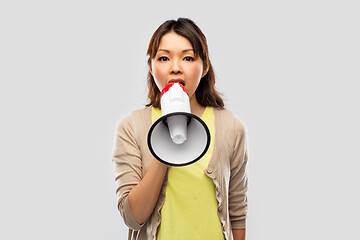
204	200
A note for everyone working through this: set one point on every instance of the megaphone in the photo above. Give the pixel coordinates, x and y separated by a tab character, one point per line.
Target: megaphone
177	138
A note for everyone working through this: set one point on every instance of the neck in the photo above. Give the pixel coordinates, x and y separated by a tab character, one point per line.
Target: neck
195	106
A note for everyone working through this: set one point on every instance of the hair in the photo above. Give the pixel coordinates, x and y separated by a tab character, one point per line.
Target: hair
206	94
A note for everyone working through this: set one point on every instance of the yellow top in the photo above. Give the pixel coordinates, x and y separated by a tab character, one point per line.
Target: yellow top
190	207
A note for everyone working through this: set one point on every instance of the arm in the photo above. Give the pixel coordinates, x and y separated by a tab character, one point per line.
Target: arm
143	197
136	195
239	234
238	177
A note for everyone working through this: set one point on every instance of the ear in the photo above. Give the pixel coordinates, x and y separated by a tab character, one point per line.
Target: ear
205	72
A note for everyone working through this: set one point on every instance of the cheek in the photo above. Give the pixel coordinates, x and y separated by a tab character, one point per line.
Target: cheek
195	77
159	76
158	71
196	73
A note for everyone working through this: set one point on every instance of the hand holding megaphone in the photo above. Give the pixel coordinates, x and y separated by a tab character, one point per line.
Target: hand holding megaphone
178	138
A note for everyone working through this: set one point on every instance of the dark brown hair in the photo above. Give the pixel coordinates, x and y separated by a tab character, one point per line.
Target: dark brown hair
206	93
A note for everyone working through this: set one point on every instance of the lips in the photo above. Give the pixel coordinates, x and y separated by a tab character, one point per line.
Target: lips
178	80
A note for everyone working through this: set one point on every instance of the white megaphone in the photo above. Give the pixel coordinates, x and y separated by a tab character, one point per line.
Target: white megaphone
178	138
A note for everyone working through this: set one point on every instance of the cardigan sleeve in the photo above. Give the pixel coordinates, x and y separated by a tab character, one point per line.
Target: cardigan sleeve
239	177
128	168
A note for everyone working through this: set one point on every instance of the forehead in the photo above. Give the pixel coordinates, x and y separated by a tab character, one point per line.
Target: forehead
173	42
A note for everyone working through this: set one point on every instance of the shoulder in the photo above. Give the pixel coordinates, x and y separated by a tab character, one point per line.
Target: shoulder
230	120
133	119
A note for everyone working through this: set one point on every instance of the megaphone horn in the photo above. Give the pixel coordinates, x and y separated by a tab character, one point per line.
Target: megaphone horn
178	138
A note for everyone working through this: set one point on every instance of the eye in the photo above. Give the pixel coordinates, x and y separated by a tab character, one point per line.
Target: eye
190	59
163	59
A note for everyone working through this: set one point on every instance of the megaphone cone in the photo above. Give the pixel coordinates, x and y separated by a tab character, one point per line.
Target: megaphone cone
178	138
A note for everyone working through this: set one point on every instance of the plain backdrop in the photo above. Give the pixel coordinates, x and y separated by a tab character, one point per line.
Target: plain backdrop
70	70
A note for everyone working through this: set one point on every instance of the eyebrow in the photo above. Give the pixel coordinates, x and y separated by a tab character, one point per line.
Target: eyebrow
186	50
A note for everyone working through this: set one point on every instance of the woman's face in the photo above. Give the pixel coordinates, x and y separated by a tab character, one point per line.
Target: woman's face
175	62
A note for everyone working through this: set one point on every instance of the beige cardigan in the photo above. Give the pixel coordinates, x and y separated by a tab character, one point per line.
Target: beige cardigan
227	168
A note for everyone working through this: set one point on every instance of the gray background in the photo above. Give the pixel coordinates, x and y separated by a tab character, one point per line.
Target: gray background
70	70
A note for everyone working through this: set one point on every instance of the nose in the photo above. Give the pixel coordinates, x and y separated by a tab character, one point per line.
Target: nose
175	67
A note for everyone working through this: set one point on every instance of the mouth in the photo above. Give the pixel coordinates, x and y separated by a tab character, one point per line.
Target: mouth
177	80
